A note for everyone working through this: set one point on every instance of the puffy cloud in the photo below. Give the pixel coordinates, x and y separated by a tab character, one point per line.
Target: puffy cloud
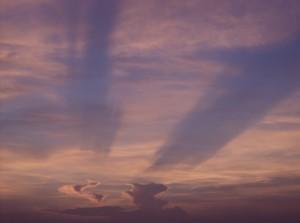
144	195
79	190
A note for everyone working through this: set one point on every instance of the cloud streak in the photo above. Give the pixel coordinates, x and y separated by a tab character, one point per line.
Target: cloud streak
266	75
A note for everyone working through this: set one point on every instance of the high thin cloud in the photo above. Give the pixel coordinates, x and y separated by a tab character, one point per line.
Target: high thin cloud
80	190
265	76
144	195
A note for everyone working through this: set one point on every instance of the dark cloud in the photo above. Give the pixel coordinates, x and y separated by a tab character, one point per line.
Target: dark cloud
144	195
266	75
242	213
118	214
96	211
45	217
247	214
275	182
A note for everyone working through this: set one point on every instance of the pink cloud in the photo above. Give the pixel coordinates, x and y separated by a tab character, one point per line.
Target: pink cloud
79	190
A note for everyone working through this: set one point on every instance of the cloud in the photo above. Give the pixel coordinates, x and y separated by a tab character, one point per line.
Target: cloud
264	76
79	190
144	195
58	67
289	184
280	126
89	79
117	214
150	208
247	214
95	211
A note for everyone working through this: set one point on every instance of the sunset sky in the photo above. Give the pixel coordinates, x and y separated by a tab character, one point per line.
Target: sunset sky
147	110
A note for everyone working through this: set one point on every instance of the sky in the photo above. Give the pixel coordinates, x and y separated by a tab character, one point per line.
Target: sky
156	111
